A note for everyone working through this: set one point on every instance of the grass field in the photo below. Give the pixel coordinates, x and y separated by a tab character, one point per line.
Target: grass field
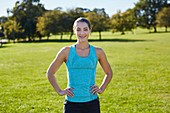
140	84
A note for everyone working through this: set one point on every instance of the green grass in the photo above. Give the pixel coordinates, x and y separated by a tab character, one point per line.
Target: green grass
140	84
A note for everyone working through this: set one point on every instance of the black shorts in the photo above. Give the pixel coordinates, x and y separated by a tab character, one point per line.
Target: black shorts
84	107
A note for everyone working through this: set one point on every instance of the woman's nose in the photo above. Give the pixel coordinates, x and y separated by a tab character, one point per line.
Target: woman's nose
81	32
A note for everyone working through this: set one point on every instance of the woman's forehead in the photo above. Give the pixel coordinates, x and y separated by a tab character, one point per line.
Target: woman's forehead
81	24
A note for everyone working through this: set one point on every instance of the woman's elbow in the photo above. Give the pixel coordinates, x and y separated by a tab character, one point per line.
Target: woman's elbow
49	73
110	74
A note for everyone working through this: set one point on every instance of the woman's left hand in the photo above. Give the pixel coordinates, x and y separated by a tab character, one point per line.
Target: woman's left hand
95	89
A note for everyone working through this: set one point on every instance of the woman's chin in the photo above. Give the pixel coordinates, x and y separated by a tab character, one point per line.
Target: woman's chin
82	39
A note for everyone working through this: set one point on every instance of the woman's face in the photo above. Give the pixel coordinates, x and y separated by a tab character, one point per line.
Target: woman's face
82	31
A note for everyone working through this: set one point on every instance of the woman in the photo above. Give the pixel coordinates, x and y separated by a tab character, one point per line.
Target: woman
81	61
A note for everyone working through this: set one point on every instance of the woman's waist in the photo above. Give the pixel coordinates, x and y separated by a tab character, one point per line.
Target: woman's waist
80	86
81	98
81	89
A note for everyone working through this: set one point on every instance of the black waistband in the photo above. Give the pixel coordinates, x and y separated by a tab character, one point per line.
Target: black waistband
66	101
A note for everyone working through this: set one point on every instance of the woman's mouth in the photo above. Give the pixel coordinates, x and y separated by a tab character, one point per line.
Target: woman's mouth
82	37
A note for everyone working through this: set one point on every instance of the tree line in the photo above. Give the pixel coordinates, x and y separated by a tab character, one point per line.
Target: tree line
30	20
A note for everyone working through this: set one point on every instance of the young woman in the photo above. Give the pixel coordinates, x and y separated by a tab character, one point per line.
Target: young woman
81	61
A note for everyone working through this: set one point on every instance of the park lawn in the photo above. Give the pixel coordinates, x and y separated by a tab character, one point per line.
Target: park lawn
140	84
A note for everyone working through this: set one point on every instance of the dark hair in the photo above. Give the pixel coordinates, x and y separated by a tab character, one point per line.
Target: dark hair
81	19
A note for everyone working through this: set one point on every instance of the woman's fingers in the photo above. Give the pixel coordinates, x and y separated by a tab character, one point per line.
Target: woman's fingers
68	92
95	89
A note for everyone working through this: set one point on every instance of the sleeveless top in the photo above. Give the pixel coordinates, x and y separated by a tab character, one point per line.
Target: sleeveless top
81	74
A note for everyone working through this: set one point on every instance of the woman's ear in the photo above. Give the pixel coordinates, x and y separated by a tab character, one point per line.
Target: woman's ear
73	30
91	29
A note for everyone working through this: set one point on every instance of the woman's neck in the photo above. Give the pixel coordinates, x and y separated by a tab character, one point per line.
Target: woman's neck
82	45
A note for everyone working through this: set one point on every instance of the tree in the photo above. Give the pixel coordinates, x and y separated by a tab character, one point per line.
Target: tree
12	29
146	11
48	24
3	19
123	21
1	31
99	20
163	18
26	14
64	23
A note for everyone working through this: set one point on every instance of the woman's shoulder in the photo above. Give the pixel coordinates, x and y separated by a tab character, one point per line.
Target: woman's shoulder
65	49
100	53
64	52
99	50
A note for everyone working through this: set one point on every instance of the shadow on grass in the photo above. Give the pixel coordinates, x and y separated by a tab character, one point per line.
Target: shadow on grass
4	46
90	40
158	32
151	32
117	40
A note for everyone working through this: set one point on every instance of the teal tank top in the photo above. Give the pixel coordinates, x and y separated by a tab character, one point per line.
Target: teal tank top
81	74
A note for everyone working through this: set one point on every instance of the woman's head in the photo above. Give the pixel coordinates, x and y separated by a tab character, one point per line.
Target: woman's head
82	29
81	19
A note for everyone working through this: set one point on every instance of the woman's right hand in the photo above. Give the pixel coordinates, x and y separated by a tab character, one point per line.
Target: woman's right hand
67	91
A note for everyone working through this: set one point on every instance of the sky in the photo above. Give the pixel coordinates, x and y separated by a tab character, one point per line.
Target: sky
110	6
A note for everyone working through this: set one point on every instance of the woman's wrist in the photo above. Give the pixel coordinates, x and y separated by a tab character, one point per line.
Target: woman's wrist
101	90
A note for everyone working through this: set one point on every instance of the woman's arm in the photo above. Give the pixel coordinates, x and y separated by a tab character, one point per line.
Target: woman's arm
107	70
53	68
